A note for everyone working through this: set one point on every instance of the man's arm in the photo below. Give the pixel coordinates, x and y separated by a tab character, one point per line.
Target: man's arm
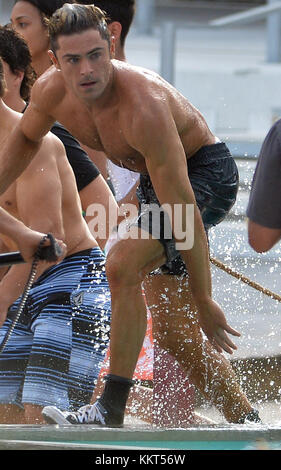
261	238
154	134
264	207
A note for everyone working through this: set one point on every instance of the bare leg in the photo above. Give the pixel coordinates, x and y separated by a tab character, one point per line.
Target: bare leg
175	323
127	264
33	414
13	414
139	404
177	330
173	394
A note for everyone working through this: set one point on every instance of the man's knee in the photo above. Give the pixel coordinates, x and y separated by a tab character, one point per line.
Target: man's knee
121	268
129	261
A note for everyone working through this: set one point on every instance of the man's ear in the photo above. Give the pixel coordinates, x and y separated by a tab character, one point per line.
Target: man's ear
54	59
19	76
115	29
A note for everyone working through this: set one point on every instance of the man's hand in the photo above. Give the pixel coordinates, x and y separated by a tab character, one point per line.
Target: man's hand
215	327
29	240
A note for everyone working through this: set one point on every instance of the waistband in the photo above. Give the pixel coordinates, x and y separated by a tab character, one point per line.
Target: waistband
69	260
209	153
86	252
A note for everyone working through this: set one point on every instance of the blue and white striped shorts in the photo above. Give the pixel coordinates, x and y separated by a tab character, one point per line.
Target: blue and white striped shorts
57	348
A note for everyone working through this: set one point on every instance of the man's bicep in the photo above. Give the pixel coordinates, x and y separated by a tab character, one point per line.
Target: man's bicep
35	123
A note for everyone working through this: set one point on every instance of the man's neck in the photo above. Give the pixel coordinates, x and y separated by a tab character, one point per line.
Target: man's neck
41	64
120	53
15	102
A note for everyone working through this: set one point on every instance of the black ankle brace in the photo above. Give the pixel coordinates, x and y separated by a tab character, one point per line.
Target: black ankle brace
115	394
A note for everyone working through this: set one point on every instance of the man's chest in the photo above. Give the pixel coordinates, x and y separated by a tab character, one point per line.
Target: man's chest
102	133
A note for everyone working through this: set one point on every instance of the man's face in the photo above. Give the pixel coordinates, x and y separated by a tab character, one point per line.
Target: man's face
85	62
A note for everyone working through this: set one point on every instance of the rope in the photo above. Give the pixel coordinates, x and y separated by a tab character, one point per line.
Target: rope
245	279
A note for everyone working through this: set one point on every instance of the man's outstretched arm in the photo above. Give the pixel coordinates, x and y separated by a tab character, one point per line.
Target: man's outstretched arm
166	163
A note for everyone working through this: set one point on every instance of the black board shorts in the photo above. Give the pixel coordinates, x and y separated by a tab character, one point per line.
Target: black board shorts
214	178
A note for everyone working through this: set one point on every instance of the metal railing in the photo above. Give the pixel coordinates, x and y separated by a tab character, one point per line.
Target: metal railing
272	14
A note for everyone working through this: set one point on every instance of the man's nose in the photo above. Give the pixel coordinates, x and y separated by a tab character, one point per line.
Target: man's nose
86	67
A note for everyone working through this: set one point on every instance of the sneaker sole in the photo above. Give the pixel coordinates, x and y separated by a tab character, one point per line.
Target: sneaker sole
53	416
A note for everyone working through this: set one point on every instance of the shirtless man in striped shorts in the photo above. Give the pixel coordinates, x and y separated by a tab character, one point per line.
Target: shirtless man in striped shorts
57	348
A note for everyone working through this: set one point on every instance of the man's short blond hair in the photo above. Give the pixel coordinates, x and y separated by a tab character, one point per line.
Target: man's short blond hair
75	18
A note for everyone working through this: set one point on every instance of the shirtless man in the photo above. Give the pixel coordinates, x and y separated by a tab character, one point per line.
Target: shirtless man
67	314
26	240
142	123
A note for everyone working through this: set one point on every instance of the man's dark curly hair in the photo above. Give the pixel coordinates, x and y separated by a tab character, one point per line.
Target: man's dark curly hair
14	51
2	80
47	7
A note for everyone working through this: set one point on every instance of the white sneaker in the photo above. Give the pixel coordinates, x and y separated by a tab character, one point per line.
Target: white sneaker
89	414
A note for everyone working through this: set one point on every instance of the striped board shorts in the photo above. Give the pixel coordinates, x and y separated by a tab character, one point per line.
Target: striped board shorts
58	346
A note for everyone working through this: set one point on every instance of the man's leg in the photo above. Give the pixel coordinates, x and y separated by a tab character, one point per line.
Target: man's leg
33	414
127	264
12	414
177	330
13	362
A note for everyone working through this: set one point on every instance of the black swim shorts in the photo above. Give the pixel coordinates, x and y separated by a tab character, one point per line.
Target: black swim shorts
214	178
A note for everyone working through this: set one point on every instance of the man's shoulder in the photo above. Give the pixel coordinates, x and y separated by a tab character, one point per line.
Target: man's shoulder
276	128
49	89
142	90
272	140
51	141
137	82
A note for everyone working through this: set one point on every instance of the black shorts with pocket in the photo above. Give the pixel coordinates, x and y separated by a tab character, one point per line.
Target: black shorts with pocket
214	178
